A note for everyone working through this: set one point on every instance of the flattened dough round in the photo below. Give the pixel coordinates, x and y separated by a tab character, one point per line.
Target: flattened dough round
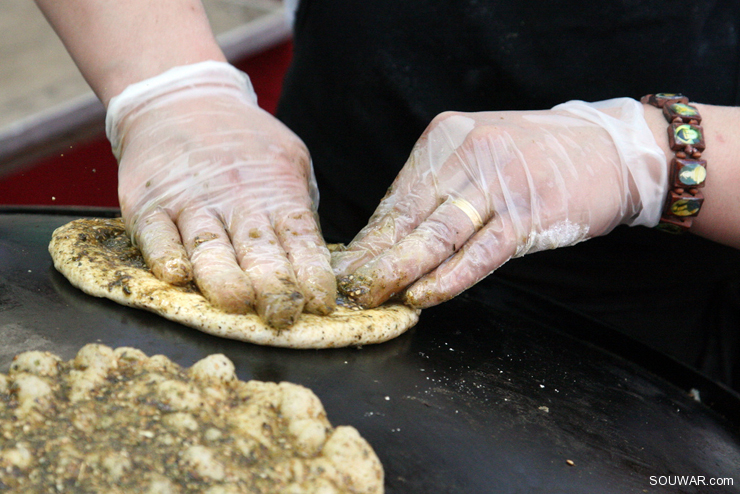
119	421
97	257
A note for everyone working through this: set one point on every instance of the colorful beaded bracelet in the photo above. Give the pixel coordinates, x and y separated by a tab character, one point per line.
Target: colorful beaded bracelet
688	171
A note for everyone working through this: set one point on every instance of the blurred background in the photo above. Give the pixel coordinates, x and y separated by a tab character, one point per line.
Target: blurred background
53	149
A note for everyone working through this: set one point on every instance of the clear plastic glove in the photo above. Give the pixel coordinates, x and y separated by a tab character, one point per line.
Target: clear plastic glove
213	188
481	188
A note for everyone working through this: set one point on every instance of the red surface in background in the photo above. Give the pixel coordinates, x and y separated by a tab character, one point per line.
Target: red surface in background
86	173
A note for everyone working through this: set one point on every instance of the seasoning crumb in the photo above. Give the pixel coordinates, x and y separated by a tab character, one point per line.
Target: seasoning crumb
694	393
544	409
570	462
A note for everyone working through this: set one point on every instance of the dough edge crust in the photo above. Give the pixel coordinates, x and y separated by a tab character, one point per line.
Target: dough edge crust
95	270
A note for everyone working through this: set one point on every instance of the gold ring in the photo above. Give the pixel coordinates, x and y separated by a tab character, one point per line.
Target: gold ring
467	208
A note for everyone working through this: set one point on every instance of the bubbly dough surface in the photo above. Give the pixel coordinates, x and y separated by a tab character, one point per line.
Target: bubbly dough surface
118	421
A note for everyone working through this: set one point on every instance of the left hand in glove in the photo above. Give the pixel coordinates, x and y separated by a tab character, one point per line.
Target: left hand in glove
481	188
215	189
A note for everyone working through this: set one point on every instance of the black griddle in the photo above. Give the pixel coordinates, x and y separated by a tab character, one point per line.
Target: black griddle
471	400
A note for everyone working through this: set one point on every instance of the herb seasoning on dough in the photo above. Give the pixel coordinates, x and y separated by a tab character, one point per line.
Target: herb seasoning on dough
118	421
96	256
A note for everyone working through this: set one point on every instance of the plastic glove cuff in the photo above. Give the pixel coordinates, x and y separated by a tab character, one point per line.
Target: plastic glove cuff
637	148
209	73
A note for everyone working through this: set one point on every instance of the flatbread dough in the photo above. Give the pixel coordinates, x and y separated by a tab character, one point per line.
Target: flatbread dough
118	421
96	256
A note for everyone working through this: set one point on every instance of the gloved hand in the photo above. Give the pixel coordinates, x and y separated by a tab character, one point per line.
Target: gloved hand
213	188
481	188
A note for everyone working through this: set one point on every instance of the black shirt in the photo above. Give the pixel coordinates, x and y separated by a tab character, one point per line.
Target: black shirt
368	77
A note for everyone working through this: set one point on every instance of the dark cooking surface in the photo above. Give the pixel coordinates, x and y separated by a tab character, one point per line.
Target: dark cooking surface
468	401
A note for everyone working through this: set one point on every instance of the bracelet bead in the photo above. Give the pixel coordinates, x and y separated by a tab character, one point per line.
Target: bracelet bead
688	171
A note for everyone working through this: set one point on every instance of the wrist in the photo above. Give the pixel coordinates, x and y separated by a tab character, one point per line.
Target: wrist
117	79
655	120
657	124
688	166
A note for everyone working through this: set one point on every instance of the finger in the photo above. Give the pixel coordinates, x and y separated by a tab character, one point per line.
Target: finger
435	240
299	235
278	297
388	224
399	189
159	241
399	220
415	193
216	271
485	252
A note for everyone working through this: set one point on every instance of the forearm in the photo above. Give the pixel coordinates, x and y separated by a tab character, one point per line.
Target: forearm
719	219
116	43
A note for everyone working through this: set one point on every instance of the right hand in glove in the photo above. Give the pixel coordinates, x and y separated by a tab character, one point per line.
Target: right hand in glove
214	189
481	188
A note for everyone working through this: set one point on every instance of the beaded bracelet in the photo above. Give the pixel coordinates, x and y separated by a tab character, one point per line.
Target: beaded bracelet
688	171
